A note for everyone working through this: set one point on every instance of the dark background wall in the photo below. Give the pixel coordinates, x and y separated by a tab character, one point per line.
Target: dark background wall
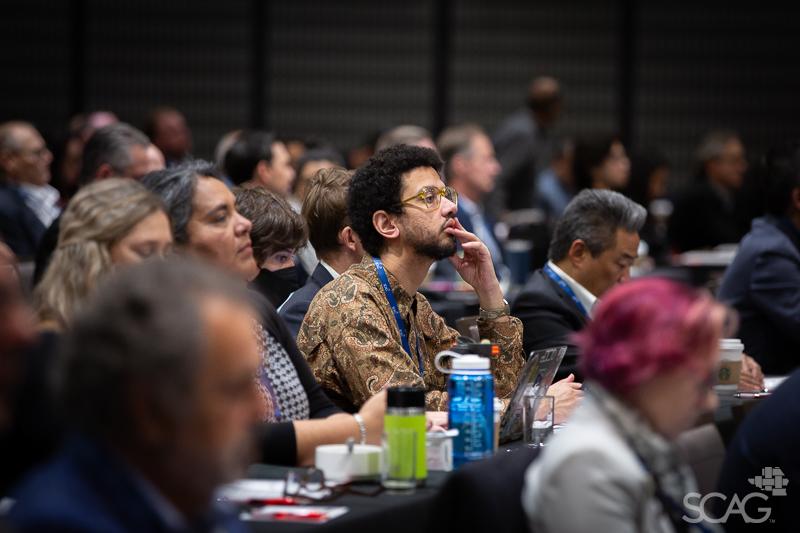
661	73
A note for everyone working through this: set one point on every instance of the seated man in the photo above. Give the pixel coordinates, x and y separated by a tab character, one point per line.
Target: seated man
157	379
594	245
329	231
370	328
763	282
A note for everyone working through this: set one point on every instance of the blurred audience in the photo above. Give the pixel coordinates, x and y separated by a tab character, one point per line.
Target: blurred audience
109	223
600	162
470	167
167	128
67	166
277	232
337	245
28	203
299	416
650	175
705	213
308	164
156	380
405	134
763	282
650	359
555	185
524	142
258	159
117	150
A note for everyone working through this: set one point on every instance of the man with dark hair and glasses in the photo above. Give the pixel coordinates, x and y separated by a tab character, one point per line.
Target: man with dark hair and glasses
370	328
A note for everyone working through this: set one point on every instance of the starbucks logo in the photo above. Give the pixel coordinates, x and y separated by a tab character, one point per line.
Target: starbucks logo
724	374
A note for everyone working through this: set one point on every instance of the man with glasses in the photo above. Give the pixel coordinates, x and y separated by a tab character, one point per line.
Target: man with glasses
28	203
370	328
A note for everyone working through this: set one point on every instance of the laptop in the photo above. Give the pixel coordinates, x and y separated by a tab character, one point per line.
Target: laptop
536	376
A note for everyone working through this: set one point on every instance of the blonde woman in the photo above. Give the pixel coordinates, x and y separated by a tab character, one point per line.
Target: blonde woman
109	223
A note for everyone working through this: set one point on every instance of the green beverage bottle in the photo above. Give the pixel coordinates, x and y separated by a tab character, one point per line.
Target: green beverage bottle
404	419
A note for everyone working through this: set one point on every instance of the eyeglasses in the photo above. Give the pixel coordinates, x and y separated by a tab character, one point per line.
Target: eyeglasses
432	196
309	485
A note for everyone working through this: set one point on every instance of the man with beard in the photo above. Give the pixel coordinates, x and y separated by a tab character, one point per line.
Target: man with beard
370	328
157	379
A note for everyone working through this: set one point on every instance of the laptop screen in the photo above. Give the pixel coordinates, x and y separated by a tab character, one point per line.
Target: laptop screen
536	376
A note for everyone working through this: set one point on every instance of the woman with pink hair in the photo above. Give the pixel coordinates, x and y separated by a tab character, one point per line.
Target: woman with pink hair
649	358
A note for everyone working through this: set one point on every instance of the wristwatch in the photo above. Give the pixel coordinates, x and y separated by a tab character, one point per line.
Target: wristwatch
492	314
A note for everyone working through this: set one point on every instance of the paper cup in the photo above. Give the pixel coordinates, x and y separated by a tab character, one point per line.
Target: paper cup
730	365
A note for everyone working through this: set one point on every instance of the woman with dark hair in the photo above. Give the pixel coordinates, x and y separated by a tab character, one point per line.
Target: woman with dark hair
601	163
299	415
650	359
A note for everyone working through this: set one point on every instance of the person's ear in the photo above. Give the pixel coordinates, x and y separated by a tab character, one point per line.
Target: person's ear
385	224
349	239
578	253
104	171
149	422
458	163
263	172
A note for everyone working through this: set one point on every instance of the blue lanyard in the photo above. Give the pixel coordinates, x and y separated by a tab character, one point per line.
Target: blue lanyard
398	318
566	288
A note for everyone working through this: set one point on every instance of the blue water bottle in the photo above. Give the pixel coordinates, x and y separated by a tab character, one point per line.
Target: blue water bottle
471	391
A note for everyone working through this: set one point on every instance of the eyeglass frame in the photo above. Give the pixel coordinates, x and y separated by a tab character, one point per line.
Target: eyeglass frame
439	194
314	476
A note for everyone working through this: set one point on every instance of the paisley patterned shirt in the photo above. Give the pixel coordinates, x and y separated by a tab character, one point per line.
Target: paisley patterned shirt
350	339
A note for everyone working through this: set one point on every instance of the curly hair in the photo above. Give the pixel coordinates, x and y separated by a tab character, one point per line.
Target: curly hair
276	226
97	217
377	186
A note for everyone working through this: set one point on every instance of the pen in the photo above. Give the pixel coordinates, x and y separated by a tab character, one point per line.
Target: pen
272	501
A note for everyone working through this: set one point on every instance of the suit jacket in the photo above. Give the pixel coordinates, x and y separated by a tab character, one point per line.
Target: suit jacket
549	317
445	269
589	479
768	437
295	307
20	228
763	284
87	488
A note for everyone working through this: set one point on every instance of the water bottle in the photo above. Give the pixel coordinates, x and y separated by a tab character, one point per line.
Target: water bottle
404	419
471	391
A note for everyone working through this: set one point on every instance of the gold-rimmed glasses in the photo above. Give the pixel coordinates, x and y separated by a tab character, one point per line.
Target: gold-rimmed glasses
431	196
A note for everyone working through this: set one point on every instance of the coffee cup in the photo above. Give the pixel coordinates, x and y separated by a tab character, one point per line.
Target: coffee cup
730	365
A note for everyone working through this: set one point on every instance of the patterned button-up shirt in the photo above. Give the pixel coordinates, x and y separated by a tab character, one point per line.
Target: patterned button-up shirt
352	343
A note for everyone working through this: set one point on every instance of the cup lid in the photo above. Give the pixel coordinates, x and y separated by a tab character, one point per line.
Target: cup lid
471	362
405	397
731	344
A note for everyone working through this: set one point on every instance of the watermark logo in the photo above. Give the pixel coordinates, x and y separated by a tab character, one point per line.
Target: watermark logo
771	480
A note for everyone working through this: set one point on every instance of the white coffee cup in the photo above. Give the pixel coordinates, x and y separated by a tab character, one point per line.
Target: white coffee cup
730	365
342	462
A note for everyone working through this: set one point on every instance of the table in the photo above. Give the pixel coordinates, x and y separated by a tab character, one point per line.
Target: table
401	513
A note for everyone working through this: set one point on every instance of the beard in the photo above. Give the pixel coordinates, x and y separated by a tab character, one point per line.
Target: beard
435	247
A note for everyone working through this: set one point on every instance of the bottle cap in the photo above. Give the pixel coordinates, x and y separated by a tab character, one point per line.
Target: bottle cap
405	397
471	362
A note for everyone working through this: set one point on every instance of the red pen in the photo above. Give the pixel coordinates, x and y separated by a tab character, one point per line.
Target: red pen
286	500
300	515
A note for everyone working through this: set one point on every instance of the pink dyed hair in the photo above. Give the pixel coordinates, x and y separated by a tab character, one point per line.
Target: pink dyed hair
645	327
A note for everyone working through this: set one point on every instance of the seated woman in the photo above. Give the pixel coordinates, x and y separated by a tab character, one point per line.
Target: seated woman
650	358
277	232
207	225
109	223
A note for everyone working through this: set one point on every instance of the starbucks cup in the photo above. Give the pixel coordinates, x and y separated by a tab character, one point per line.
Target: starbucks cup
730	365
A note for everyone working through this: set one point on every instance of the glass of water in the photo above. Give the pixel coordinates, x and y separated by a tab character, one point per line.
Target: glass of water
537	419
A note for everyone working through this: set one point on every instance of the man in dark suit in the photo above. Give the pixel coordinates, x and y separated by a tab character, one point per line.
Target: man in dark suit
157	382
27	202
336	244
763	282
594	245
470	167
